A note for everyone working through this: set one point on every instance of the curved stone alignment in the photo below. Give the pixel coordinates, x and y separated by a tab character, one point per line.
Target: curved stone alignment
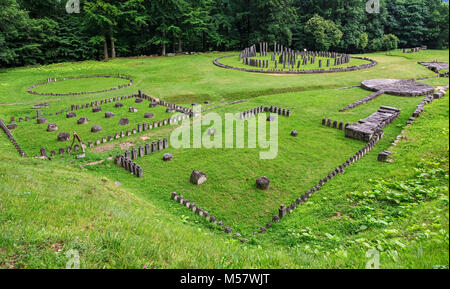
50	80
398	87
298	71
289	61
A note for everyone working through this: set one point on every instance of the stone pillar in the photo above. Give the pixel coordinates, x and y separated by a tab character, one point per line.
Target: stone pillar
282	211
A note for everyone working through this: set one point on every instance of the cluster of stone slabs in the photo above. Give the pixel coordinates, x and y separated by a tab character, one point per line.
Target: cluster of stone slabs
435	66
366	128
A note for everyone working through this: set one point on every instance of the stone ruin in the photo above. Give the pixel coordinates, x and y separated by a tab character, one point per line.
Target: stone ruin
191	206
398	87
263	183
197	177
435	65
334	124
11	138
262	109
129	165
414	49
287	58
362	101
366	128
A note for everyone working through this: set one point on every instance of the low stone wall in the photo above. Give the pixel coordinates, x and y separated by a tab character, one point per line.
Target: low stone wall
334	124
203	213
11	138
49	80
362	101
126	160
129	165
147	149
272	71
261	109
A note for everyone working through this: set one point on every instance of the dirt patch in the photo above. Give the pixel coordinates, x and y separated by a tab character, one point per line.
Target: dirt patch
144	138
337	215
126	145
9	264
104	148
95	163
57	247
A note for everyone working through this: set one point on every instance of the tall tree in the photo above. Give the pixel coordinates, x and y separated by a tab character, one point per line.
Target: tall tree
102	15
322	34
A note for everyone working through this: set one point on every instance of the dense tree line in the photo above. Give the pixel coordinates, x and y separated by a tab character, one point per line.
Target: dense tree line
41	31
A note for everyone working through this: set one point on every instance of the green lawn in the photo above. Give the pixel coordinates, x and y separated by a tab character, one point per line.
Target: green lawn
399	208
80	85
32	136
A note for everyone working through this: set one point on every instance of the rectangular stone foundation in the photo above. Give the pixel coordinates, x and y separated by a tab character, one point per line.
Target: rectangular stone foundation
367	127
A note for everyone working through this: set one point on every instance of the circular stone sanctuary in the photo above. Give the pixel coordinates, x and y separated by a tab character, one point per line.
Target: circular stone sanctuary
53	80
398	87
283	60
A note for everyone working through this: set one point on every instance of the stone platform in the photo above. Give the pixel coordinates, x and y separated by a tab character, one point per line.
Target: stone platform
398	87
366	128
435	65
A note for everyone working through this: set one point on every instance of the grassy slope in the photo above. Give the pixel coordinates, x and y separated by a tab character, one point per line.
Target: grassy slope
113	236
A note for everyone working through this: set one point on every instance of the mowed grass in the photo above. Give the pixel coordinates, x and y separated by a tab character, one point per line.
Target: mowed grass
33	136
234	62
80	85
232	173
48	208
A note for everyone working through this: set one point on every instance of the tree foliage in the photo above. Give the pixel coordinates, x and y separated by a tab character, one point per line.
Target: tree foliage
41	31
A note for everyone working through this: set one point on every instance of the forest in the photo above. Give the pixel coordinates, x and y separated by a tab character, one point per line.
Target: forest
42	31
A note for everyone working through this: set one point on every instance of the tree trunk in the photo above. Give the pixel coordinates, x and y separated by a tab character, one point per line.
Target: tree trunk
164	44
105	47
204	41
180	49
113	46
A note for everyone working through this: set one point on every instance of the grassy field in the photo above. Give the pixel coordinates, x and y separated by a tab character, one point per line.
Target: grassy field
32	136
80	85
116	220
